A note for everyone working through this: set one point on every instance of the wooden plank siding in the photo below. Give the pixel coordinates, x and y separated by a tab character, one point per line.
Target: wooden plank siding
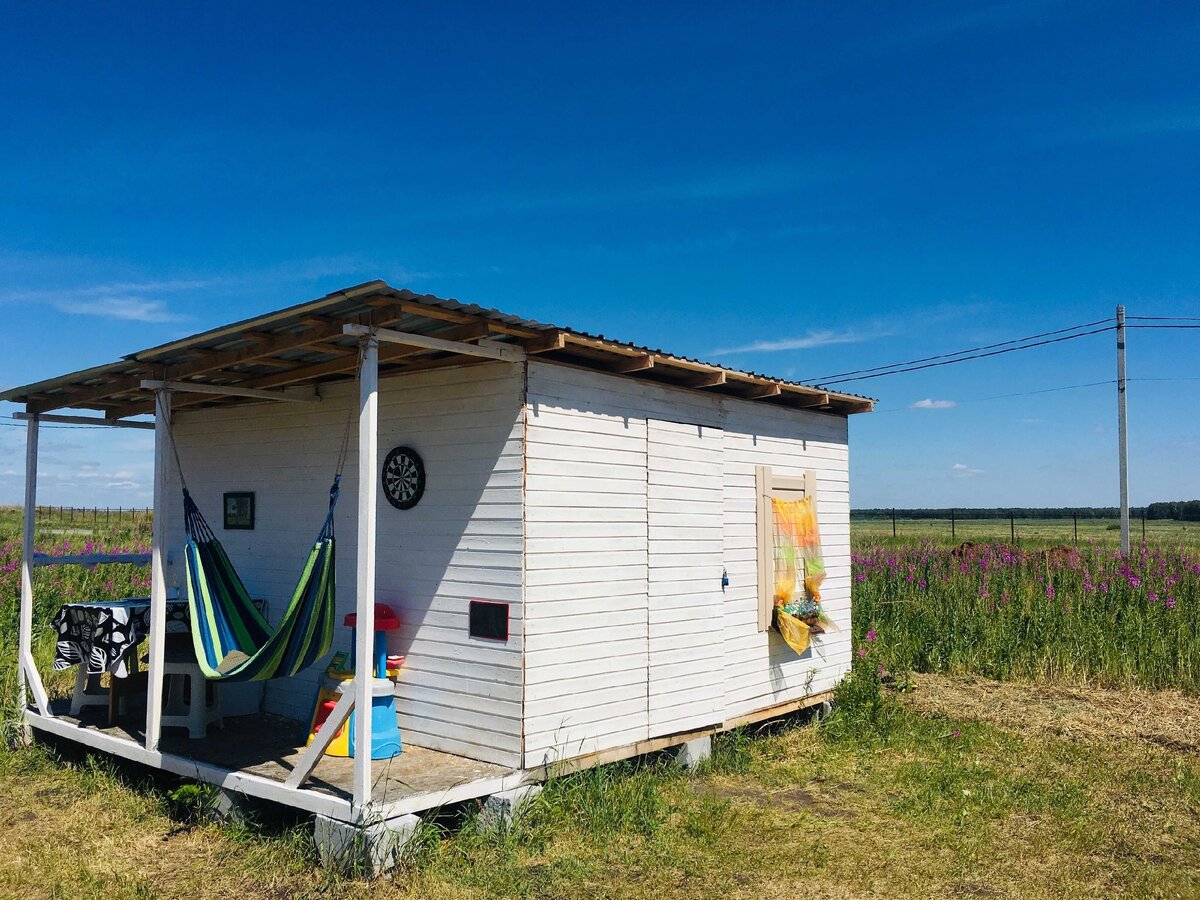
588	533
686	613
463	541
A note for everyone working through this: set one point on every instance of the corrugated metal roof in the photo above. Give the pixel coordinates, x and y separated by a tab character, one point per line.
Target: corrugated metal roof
304	344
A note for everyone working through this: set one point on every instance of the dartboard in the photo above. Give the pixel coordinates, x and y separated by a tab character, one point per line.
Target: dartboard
403	478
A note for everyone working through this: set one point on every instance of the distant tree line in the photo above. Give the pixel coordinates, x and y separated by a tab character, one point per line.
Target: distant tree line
1177	510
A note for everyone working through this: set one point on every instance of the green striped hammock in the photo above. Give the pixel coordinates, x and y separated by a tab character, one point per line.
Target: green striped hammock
233	641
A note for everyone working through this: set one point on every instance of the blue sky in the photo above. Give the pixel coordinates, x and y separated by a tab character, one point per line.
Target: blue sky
798	189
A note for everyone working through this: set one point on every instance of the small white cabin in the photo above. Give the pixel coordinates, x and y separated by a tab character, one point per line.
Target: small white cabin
601	500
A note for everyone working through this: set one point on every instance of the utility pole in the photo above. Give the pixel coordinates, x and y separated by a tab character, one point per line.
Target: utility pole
1122	430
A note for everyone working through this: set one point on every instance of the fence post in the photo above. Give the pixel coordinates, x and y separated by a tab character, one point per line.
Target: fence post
1075	520
893	521
952	524
1143	526
1012	528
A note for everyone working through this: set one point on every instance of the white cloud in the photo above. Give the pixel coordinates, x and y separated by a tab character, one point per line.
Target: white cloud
930	403
813	339
134	309
961	470
125	300
124	485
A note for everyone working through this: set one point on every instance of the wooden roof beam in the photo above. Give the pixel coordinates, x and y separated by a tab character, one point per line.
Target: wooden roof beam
555	340
608	346
459	317
507	353
707	380
404	307
334	349
224	390
319	321
801	399
341	365
633	364
763	391
222	360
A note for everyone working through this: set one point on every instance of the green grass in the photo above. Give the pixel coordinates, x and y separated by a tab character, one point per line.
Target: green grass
1029	533
882	799
911	789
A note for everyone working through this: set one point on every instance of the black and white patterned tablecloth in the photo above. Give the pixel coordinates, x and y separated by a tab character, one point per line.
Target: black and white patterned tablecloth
103	632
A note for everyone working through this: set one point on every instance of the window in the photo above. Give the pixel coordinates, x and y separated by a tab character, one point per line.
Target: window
785	487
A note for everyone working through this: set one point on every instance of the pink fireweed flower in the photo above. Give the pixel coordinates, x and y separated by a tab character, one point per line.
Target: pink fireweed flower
1153	598
1170	603
871	635
862	652
1049	592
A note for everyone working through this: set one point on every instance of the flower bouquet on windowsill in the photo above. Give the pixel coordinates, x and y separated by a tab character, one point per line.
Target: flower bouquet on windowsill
808	611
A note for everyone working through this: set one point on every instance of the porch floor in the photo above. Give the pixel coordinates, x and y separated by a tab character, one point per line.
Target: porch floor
268	746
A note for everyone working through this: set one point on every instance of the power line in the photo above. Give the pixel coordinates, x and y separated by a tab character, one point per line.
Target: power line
948	362
1162	326
960	352
1165	318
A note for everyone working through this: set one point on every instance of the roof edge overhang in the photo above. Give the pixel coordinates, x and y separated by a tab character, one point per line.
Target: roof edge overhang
304	345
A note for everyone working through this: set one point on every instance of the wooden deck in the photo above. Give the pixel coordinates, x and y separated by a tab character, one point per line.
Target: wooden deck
267	746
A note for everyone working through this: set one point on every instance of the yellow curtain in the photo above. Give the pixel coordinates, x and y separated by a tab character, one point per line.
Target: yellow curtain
796	543
796	548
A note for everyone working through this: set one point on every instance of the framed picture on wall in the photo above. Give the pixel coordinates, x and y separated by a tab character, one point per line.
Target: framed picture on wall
239	510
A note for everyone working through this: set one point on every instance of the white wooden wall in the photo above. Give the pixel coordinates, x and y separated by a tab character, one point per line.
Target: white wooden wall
685	514
587	615
461	542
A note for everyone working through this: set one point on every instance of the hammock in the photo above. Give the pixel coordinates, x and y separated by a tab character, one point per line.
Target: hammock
233	641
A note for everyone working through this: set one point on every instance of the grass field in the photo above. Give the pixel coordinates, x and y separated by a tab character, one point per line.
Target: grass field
1030	533
956	787
1070	770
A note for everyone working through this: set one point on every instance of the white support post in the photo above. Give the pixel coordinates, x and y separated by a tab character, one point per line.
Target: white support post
368	493
313	752
158	572
25	636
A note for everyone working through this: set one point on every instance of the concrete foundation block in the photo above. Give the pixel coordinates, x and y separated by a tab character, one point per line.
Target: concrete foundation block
503	808
233	806
368	848
691	753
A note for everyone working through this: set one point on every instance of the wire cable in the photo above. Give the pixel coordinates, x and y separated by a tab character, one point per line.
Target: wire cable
948	362
1163	318
961	352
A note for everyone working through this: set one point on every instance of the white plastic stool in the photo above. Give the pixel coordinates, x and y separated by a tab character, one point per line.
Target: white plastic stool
192	711
82	697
